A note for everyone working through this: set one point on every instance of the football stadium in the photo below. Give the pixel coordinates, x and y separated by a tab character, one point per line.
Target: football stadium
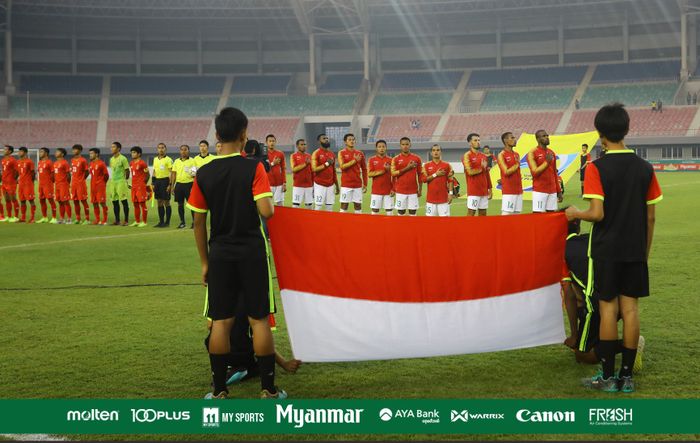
421	172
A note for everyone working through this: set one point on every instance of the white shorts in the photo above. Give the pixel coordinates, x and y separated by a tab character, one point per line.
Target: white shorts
542	202
512	203
382	202
324	195
475	202
433	209
301	196
277	194
348	195
406	201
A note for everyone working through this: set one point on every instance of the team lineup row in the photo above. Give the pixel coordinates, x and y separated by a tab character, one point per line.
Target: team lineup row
396	182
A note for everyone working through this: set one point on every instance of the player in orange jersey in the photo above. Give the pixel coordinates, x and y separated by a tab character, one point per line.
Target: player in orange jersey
382	182
27	175
61	173
325	178
278	170
98	186
353	174
478	179
303	189
78	185
406	168
139	183
511	182
546	189
46	183
9	184
435	174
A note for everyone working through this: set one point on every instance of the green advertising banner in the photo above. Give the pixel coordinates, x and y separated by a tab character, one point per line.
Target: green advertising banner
349	416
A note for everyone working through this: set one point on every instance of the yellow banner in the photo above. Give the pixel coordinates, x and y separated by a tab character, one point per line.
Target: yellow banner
567	148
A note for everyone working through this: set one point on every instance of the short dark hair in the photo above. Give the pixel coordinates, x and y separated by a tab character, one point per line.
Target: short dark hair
230	124
539	131
348	135
185	146
205	142
161	143
23	149
62	151
78	146
585	144
118	145
612	122
434	145
270	135
137	149
45	149
405	138
379	141
504	135
10	148
487	147
252	147
318	137
95	150
471	136
296	143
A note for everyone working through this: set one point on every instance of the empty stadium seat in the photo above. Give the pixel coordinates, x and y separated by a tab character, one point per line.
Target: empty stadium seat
131	85
151	132
624	72
527	99
55	107
674	120
261	84
631	95
416	81
493	125
567	75
283	128
392	128
162	107
61	84
419	102
49	133
342	83
282	105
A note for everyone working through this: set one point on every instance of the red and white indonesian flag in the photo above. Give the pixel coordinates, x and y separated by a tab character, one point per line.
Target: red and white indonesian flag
361	287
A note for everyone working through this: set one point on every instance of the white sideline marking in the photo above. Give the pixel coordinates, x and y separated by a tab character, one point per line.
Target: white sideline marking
34	437
104	237
679	184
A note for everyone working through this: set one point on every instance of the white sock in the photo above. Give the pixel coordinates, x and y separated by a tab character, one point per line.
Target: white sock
342	210
389	212
329	208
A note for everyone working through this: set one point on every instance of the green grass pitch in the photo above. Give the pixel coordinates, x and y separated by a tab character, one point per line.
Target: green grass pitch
146	341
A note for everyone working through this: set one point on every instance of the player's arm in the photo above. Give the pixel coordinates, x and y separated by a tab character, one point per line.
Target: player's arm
468	168
87	172
376	172
536	170
148	175
424	177
262	193
127	171
315	166
198	204
296	168
654	196
418	180
344	166
365	176
592	191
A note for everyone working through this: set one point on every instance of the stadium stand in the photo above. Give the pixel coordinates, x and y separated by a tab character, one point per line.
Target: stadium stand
43	107
674	120
527	99
341	83
60	84
261	84
282	105
162	107
417	81
493	125
152	132
491	78
283	128
644	71
411	103
630	95
128	85
392	128
51	133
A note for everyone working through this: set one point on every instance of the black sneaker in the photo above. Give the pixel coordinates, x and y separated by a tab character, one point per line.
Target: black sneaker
159	225
192	226
181	226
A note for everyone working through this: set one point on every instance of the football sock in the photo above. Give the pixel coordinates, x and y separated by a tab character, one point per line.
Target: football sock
628	356
115	207
105	213
218	371
62	210
181	212
23	213
15	204
137	212
389	212
32	211
53	207
375	213
86	208
266	363
607	357
76	204
168	214
144	212
341	210
161	214
96	211
2	211
8	206
329	208
125	205
42	203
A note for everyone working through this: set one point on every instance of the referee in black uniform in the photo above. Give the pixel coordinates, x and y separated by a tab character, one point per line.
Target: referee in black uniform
235	263
162	167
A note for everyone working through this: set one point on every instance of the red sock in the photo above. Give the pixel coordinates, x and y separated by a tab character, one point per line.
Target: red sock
15	203
32	212
105	213
2	211
23	214
144	212
62	210
76	204
96	211
42	202
53	207
137	212
8	206
68	209
86	207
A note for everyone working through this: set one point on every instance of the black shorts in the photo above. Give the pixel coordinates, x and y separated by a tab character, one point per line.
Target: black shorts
588	328
182	192
160	188
612	279
246	280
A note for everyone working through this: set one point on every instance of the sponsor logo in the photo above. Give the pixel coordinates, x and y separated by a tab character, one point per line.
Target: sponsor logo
386	414
610	416
210	417
92	415
151	415
465	416
302	417
242	417
526	415
425	416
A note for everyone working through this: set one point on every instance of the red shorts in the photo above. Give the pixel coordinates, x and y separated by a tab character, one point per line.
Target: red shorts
26	192
98	194
139	195
78	190
46	191
62	192
10	189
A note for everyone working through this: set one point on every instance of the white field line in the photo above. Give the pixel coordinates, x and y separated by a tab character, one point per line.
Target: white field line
679	184
34	437
104	237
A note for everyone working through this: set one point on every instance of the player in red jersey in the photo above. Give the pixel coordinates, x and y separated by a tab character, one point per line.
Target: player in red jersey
27	175
511	182
45	169
98	186
303	189
78	185
62	177
10	173
478	177
585	161
353	174
546	191
325	178
278	170
406	167
440	193
379	166
139	191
